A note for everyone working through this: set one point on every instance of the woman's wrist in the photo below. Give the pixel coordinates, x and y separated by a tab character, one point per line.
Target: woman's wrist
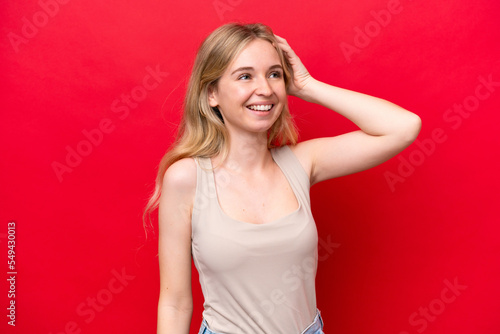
309	91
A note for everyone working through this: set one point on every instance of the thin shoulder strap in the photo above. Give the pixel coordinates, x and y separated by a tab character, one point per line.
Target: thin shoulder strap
293	170
206	192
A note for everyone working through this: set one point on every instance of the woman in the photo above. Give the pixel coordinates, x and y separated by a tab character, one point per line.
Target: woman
233	192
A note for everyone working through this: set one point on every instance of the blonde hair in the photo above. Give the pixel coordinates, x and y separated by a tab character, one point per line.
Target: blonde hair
202	132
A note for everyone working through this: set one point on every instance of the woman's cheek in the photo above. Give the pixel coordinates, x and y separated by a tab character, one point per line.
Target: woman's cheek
243	93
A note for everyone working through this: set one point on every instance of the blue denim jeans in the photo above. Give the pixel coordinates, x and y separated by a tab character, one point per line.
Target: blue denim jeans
315	328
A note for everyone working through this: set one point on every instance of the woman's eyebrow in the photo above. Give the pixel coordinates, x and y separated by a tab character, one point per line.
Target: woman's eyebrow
240	69
277	66
249	68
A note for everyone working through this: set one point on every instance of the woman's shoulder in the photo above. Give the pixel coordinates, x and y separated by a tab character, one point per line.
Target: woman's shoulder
302	152
181	175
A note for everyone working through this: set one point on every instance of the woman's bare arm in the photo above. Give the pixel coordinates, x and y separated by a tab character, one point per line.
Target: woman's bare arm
385	128
175	305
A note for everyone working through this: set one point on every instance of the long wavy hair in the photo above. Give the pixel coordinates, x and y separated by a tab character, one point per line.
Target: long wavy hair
202	132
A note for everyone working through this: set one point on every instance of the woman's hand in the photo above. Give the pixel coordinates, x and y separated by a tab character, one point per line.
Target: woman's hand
301	77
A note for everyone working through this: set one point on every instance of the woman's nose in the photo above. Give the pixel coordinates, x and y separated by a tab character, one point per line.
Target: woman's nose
263	87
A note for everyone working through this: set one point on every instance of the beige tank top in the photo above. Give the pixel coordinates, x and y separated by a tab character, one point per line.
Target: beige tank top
256	278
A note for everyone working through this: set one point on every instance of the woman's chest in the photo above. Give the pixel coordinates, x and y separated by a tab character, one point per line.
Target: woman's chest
256	200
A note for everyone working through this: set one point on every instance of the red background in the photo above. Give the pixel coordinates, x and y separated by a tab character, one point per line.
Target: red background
398	234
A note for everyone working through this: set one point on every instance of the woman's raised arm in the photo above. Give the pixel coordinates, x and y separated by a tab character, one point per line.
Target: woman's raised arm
385	128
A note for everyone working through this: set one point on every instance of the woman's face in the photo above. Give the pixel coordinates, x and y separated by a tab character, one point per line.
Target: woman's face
251	93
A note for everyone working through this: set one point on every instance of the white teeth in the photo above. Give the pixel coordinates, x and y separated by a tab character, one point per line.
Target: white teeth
261	107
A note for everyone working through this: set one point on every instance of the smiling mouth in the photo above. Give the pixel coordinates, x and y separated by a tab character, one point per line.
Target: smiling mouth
263	107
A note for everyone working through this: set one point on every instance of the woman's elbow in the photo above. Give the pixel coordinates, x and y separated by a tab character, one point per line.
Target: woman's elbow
411	128
177	302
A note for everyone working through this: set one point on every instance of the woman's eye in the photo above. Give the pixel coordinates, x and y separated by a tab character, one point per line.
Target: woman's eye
275	75
244	77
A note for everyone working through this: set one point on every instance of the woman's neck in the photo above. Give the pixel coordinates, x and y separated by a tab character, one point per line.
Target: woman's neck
247	155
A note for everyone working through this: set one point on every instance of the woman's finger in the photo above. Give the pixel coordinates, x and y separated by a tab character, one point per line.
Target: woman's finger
283	45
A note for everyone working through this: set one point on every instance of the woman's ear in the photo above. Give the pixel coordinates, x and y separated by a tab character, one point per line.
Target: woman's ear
212	97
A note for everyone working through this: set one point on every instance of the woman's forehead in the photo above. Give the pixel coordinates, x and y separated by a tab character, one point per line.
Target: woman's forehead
257	53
